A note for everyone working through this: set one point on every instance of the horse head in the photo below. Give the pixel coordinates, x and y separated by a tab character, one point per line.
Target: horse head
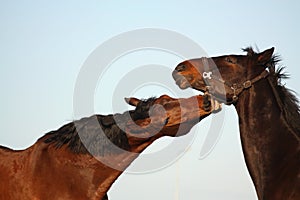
225	77
170	116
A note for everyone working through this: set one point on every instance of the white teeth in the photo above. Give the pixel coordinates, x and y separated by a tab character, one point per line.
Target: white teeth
212	102
217	105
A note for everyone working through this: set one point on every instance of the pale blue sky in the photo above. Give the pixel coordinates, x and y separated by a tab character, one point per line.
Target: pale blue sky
43	45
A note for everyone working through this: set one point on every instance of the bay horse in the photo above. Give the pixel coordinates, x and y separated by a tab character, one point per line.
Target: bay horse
60	166
268	112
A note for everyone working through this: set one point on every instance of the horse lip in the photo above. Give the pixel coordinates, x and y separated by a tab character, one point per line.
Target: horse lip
215	96
180	80
200	85
182	83
176	75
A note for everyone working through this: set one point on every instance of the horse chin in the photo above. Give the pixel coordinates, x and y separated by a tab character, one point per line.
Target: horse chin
202	90
218	97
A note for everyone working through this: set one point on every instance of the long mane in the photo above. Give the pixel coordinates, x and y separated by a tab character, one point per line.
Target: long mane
98	134
93	134
286	98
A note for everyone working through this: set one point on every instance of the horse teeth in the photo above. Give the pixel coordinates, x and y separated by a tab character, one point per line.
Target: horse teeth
218	106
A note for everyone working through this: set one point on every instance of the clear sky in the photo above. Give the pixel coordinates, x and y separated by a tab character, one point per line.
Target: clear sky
43	45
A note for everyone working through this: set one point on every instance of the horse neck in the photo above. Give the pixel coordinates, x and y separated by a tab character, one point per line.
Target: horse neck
268	146
95	174
115	165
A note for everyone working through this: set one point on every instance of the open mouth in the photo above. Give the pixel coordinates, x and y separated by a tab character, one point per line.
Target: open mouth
182	83
216	106
221	98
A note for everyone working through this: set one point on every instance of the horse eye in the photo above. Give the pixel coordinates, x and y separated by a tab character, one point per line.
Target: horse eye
180	68
228	59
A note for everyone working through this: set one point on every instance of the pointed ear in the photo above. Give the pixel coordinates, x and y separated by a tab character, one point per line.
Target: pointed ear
132	101
265	56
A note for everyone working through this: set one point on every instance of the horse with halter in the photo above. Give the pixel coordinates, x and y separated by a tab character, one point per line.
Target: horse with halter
65	164
268	112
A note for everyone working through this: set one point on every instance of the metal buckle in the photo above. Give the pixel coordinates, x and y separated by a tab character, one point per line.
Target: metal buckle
235	98
247	84
234	86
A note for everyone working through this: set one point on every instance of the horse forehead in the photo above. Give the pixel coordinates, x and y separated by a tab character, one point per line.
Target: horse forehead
203	63
200	62
171	105
190	66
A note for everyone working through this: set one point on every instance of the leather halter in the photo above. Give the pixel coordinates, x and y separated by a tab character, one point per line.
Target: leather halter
238	88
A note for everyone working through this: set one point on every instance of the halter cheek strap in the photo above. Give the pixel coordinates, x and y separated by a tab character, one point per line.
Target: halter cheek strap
239	88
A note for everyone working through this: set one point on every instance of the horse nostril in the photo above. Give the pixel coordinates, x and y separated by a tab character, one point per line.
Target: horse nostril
180	68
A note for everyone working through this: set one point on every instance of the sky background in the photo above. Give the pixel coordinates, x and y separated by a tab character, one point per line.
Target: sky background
43	45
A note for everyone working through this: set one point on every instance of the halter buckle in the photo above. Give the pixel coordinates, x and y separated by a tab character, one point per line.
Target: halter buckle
235	98
247	84
234	86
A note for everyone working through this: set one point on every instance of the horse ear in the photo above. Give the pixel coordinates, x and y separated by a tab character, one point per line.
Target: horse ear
132	101
265	56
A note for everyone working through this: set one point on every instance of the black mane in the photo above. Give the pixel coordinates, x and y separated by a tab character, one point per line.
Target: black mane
286	98
98	134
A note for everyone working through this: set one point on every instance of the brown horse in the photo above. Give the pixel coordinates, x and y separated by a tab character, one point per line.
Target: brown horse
64	164
268	113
